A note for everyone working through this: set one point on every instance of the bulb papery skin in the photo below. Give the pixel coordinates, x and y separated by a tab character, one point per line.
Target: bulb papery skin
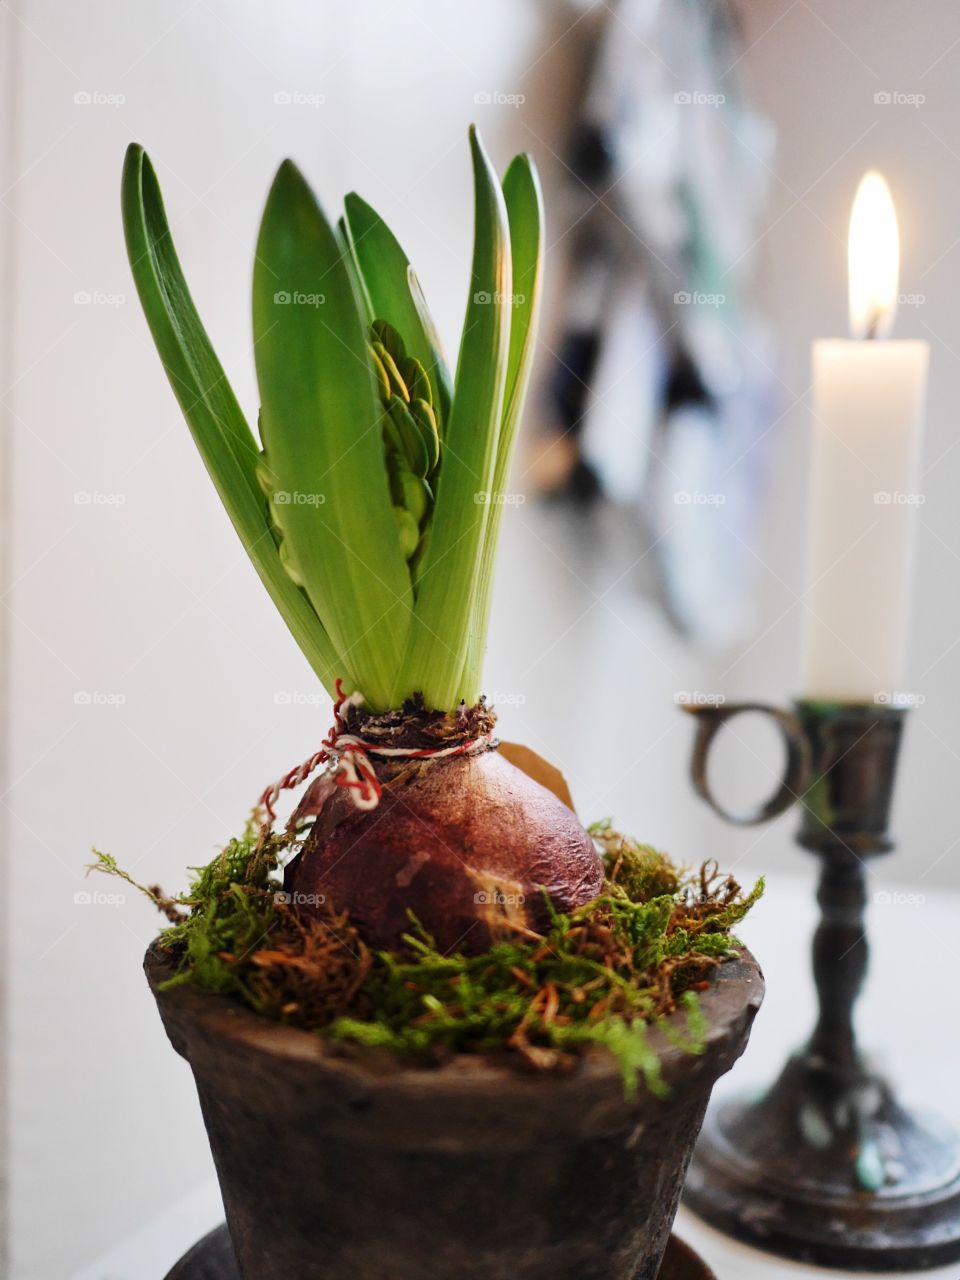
468	845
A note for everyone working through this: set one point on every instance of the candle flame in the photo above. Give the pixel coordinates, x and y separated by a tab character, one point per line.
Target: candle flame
873	259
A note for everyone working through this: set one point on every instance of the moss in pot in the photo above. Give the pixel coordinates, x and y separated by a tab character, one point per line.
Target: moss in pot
355	993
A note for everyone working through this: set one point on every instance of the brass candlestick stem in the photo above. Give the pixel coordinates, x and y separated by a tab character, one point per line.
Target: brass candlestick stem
827	1166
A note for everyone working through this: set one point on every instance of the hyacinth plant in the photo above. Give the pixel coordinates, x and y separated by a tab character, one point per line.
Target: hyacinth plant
372	511
371	507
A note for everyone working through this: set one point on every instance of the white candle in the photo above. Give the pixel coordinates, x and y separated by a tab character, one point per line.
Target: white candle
868	405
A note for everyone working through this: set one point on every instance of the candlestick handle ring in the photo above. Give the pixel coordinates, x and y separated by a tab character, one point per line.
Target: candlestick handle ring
797	767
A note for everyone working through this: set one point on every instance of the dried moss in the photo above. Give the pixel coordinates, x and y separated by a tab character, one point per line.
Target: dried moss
601	975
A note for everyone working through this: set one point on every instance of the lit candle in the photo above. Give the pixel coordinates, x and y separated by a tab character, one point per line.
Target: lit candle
868	405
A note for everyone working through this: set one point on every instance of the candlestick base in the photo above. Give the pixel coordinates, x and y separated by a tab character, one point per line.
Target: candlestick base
829	1168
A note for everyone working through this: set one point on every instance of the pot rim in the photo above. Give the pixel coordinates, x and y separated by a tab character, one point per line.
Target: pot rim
729	1006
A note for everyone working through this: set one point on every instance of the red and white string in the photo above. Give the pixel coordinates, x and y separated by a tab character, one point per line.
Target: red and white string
349	759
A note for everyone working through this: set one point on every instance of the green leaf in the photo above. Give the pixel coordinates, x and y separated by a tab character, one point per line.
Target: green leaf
321	428
346	245
449	576
221	433
443	388
524	200
385	269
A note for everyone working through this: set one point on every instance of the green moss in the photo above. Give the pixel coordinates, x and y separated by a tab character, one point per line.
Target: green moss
601	975
232	913
642	871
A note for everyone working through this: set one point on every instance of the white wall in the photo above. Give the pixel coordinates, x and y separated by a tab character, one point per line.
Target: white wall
150	598
8	168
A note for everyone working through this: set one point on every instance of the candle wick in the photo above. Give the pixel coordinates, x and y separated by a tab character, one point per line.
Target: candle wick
873	325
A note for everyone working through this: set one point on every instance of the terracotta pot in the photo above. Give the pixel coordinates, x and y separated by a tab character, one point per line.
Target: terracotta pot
338	1163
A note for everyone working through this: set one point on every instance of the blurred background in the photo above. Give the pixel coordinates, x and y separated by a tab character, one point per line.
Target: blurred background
699	163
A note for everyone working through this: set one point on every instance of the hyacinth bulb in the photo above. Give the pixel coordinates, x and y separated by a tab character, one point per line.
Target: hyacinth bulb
469	847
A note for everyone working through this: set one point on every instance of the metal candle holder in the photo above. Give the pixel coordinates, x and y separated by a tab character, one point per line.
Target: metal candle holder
827	1166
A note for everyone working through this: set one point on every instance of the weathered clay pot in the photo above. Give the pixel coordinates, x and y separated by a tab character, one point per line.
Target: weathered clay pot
341	1164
